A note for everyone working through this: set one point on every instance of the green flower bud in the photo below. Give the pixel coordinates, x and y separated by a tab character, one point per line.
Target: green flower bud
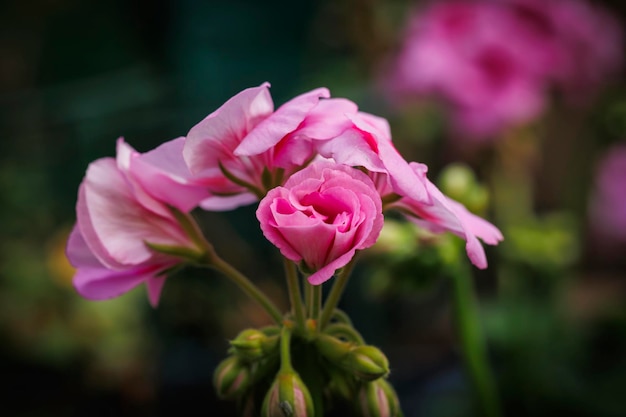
288	397
367	363
378	399
253	344
456	180
231	378
363	361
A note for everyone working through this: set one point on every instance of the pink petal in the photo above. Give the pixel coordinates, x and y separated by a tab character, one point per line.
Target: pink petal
163	173
217	136
325	273
114	224
226	203
283	121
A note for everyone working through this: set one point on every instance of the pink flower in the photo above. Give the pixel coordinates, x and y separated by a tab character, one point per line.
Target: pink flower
123	205
236	178
472	57
447	215
583	40
607	209
335	129
492	62
322	216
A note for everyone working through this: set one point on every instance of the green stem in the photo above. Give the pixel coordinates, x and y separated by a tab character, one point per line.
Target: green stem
335	293
285	349
245	284
316	303
295	294
473	343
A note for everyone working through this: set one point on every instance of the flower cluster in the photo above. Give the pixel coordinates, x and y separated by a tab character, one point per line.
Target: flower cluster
493	62
323	172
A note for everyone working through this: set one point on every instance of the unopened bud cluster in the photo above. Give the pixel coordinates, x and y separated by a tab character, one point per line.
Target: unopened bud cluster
335	365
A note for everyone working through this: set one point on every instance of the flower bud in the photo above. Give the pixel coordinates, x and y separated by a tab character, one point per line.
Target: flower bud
366	362
231	378
288	397
378	399
363	361
253	344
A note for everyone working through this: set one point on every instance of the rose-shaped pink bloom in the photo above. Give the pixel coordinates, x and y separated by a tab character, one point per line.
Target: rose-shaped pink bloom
322	216
444	214
239	178
123	204
607	206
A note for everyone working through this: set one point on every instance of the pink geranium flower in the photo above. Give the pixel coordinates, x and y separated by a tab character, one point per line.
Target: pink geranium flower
124	206
235	178
492	63
472	57
321	217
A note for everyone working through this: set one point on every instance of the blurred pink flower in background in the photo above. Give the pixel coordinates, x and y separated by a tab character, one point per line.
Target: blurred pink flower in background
607	211
493	62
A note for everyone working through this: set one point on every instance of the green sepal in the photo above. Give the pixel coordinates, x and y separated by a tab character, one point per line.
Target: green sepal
185	253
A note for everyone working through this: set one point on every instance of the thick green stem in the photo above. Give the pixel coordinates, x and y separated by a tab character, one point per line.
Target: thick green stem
285	349
315	305
473	343
295	294
246	286
335	293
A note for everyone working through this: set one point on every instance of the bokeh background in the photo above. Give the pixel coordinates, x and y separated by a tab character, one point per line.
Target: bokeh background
74	76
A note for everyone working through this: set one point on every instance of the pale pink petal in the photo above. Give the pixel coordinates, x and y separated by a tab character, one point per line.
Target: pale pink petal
402	177
163	173
217	136
114	224
282	122
328	119
226	203
103	283
125	156
97	282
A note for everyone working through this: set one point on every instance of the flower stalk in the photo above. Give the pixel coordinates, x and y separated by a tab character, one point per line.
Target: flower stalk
335	293
473	343
245	285
295	293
